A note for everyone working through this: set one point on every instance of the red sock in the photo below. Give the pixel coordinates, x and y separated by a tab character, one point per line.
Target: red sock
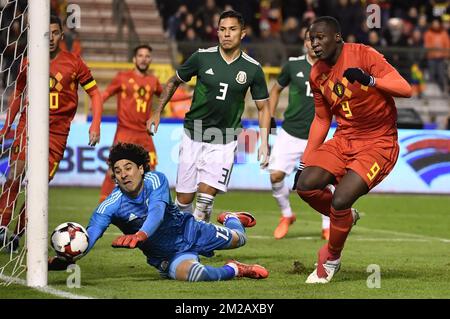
7	200
340	226
107	187
319	199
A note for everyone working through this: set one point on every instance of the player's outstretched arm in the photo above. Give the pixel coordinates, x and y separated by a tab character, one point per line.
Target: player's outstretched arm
394	84
97	110
264	126
170	88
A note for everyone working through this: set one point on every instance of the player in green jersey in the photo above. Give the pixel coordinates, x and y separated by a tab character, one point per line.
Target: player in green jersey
293	136
224	75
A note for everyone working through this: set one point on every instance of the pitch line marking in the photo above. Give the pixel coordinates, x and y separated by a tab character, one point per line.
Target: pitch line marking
48	289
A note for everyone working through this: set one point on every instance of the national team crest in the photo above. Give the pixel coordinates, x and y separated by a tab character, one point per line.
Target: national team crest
52	82
241	77
339	89
141	91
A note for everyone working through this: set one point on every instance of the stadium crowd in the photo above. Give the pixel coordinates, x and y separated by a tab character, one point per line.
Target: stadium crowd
408	26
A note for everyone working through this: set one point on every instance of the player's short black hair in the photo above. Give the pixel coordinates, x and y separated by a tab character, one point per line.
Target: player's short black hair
56	20
330	22
142	46
232	14
132	152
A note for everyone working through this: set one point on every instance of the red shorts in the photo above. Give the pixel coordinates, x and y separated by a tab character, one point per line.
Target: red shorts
142	139
373	159
56	153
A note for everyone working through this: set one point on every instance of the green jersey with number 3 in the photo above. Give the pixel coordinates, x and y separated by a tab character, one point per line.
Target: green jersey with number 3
300	111
219	95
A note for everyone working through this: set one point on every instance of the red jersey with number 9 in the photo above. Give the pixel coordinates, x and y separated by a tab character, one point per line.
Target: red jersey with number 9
360	111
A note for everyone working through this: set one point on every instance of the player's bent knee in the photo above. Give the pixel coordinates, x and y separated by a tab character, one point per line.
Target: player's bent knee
340	202
276	176
238	240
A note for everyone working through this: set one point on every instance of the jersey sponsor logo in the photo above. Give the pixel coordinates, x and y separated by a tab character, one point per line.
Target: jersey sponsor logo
241	77
209	71
339	89
300	74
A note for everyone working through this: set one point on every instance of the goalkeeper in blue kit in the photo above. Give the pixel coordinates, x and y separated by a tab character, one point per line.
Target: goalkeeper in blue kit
172	241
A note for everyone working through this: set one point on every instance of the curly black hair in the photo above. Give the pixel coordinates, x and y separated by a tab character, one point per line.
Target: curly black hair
135	153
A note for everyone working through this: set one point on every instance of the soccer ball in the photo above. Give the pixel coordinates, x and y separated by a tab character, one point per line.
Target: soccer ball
70	240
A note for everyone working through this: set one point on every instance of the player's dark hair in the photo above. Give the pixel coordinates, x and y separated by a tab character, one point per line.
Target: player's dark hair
232	14
142	46
330	22
56	20
132	152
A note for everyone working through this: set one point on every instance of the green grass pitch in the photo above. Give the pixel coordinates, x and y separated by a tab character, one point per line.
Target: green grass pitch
406	236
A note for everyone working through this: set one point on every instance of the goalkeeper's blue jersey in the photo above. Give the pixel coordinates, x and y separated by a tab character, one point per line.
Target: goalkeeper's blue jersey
170	231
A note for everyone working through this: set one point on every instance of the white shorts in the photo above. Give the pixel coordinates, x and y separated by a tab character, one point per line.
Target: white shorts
206	163
286	152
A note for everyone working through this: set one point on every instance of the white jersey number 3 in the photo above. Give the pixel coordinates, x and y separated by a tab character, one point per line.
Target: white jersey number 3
223	90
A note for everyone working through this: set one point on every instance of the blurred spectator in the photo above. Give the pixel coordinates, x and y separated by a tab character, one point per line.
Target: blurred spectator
417	81
175	20
437	38
205	18
374	39
271	51
349	15
289	34
187	23
394	33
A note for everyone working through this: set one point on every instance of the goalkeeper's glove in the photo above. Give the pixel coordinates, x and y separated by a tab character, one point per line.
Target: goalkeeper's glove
59	263
357	74
129	241
273	126
300	169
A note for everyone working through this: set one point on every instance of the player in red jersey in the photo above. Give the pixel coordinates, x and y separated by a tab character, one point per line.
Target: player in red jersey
134	89
66	72
356	84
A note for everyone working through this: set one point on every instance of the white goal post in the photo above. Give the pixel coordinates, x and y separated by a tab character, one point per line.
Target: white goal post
37	137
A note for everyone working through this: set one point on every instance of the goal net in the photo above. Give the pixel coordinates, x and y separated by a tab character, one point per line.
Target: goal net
15	87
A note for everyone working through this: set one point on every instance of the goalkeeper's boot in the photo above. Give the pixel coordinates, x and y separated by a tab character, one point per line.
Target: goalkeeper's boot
325	269
246	219
250	271
283	226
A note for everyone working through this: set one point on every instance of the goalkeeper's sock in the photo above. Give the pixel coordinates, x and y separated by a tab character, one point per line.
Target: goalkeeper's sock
341	224
319	199
199	272
280	192
7	200
107	187
203	206
187	208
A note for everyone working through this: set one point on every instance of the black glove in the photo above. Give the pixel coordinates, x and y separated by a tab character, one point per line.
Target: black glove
273	126
300	168
356	74
59	263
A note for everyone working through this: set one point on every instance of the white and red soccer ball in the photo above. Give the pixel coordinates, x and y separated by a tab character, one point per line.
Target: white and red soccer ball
70	240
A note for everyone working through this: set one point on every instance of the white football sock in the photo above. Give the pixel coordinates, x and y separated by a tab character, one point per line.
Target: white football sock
280	192
203	206
187	208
